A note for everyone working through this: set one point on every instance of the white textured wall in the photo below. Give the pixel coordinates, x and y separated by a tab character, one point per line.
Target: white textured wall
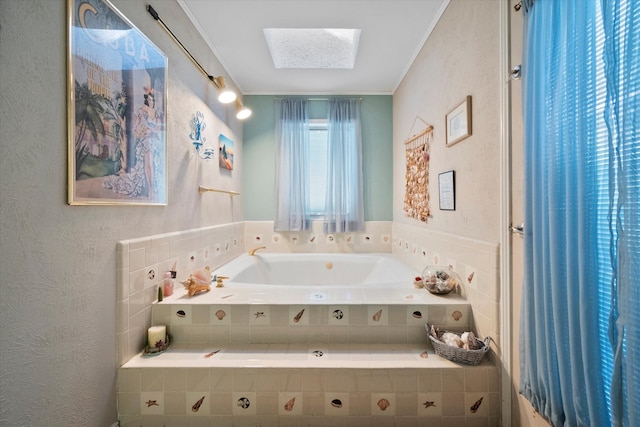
460	58
58	262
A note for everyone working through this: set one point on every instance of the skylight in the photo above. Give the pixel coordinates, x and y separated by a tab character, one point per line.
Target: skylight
313	47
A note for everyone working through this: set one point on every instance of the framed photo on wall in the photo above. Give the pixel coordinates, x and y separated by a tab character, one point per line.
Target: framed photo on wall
226	152
458	122
116	101
447	190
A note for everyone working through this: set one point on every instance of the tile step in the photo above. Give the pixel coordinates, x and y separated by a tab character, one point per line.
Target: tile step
322	356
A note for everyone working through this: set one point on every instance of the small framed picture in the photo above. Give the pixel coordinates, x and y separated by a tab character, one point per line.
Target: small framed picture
447	190
458	122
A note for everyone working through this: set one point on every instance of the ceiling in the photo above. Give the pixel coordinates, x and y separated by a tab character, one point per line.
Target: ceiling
393	32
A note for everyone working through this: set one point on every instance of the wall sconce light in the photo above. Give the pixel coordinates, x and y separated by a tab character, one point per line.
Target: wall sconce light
242	112
197	126
225	95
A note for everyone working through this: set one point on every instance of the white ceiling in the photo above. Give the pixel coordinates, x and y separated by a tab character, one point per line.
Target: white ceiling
393	32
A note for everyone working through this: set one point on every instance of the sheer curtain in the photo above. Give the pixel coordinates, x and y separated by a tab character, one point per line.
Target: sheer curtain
621	20
582	245
292	158
344	206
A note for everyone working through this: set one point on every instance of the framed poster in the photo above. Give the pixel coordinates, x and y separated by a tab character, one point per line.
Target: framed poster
447	191
116	100
458	122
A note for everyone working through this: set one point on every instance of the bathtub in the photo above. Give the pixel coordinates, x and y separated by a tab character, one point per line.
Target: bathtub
315	278
319	270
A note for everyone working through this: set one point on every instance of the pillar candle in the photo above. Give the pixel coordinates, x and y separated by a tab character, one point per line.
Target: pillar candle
157	333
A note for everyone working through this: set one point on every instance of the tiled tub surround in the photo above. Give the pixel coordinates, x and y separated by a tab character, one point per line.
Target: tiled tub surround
477	263
141	264
256	366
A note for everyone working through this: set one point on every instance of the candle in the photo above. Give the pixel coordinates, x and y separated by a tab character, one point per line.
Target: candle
157	333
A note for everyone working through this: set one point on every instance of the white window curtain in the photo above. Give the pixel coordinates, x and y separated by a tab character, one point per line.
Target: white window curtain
292	158
344	206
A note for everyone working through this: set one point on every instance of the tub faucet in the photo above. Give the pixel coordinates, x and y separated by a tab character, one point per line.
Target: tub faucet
252	252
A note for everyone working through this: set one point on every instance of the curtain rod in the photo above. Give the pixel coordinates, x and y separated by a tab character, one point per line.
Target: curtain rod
316	99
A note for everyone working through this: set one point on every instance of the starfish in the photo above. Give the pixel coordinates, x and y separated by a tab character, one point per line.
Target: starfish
151	403
428	403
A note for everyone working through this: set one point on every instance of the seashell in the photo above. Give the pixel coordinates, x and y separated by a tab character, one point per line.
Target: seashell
329	265
208	355
338	314
289	405
336	403
298	316
151	274
318	353
475	406
383	404
243	402
417	314
181	313
424	355
220	314
312	239
202	275
457	315
196	406
376	317
449	338
470	278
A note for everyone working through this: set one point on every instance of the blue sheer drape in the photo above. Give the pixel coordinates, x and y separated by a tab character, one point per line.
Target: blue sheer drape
621	19
344	206
292	158
581	201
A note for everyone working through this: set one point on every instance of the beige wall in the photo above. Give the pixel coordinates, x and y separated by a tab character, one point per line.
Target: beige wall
58	263
460	58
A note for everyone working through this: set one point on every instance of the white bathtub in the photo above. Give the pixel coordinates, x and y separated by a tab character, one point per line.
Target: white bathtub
318	270
316	278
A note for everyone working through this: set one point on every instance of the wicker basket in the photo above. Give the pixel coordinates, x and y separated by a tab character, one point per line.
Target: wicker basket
456	354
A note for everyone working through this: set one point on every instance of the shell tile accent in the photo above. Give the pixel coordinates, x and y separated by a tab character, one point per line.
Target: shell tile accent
457	315
196	406
475	406
289	405
220	314
383	404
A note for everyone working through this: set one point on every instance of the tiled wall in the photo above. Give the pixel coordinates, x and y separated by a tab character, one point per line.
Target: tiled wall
143	262
477	263
323	397
256	324
376	237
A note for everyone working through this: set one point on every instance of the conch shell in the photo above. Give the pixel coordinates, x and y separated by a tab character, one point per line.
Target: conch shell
199	281
289	405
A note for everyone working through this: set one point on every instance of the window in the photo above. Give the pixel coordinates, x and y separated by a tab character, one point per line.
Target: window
317	168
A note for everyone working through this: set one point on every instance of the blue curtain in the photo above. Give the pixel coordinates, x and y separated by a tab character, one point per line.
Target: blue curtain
344	205
582	241
621	20
292	158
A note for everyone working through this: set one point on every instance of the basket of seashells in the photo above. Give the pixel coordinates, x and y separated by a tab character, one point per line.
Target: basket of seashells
458	347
